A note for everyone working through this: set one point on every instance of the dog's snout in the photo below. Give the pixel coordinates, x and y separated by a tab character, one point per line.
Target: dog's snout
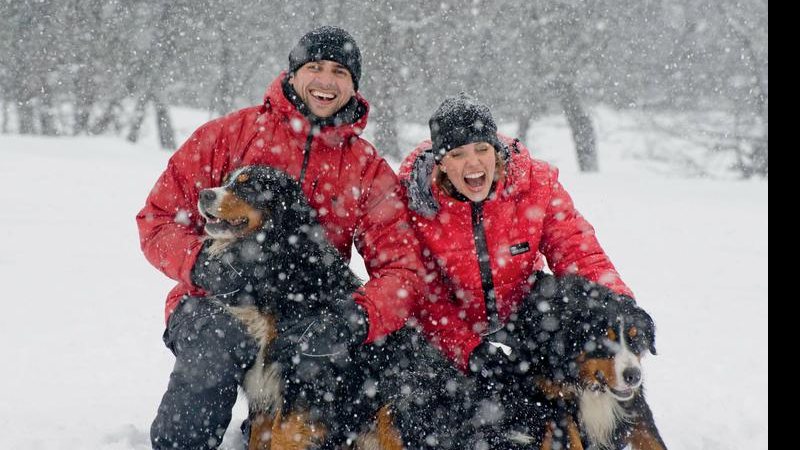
632	376
208	195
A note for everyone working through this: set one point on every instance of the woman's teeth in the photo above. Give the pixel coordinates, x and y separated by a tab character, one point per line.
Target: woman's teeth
475	179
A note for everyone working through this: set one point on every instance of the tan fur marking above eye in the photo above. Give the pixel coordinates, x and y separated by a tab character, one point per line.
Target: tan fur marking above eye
242	178
632	332
612	335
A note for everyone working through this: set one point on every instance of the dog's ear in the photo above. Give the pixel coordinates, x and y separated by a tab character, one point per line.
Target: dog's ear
288	207
653	344
642	320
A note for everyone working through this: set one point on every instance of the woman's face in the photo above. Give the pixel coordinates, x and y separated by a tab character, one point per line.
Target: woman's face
471	169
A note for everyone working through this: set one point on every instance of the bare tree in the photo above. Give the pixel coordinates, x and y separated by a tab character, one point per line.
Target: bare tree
90	66
151	84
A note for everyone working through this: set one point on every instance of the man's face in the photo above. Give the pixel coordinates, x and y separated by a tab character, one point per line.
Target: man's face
324	86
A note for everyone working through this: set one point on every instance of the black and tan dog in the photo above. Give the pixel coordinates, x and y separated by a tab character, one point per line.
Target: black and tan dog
587	348
386	397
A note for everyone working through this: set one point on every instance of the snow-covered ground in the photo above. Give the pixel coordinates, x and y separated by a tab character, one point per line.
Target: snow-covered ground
83	365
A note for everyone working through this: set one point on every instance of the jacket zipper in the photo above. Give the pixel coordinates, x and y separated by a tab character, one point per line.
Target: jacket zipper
487	281
306	155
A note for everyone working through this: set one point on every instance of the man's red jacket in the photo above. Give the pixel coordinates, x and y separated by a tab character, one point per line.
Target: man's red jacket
354	191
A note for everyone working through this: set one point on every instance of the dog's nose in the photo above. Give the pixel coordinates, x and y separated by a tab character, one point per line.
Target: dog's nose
208	195
632	376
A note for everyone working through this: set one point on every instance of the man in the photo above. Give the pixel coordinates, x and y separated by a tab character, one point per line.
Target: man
307	126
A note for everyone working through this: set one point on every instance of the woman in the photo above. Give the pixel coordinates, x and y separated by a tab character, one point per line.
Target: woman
489	217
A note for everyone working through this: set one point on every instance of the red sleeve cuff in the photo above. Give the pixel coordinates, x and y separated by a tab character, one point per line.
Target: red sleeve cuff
466	352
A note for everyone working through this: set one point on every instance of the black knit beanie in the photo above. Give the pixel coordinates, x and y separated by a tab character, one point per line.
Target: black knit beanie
461	120
327	43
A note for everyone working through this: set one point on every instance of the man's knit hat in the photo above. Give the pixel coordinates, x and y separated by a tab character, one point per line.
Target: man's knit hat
461	120
327	43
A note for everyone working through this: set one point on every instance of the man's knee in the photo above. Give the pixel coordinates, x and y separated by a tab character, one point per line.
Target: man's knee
209	342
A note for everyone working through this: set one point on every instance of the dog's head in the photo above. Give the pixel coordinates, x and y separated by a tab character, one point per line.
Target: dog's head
589	336
617	339
253	198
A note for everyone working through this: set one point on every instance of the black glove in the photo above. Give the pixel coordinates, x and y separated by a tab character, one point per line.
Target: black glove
316	352
500	364
221	274
329	332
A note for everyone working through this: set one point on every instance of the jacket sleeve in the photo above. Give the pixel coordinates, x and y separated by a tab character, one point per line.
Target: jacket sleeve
391	253
170	226
569	242
443	326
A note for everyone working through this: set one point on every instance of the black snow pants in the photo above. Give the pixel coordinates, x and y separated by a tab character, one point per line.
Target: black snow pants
212	353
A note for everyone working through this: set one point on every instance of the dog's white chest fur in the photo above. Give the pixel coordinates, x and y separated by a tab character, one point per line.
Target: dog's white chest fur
262	383
600	414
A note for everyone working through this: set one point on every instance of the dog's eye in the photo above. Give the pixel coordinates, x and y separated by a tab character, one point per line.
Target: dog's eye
242	178
632	332
637	346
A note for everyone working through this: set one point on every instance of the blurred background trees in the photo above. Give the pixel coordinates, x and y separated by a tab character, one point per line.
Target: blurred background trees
74	67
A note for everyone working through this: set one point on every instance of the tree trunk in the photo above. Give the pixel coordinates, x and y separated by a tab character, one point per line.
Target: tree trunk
223	94
524	125
4	126
26	117
581	125
138	117
150	81
166	135
46	119
386	132
108	116
383	81
85	91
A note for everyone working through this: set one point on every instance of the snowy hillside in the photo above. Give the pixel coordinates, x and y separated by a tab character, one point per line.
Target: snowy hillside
83	365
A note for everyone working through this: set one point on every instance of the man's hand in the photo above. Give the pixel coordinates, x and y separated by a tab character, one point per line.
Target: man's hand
327	333
315	352
498	362
219	274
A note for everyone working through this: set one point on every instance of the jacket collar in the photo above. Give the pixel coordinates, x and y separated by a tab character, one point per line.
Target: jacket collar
348	122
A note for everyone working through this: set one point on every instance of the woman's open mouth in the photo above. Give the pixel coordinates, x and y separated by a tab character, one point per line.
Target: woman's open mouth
475	181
